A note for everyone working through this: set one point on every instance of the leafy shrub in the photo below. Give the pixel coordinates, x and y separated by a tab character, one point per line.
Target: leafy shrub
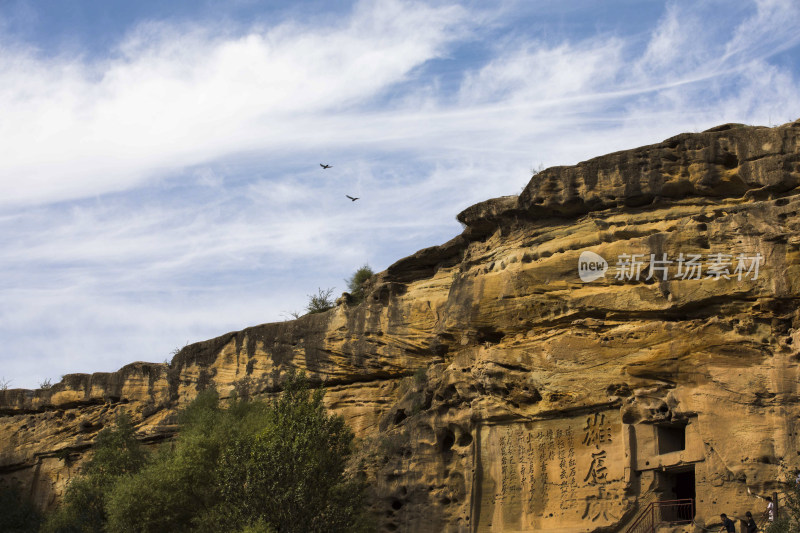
320	302
355	283
782	524
788	520
117	453
255	467
17	513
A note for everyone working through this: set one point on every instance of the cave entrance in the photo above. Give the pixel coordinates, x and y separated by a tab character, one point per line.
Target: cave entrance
677	501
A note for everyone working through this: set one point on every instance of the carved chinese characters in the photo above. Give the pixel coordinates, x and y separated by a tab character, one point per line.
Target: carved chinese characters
552	474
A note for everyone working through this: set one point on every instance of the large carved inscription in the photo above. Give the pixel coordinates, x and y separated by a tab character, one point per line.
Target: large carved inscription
560	475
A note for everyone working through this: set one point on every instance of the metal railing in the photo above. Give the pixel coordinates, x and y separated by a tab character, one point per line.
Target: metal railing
643	509
645	523
659	512
675	511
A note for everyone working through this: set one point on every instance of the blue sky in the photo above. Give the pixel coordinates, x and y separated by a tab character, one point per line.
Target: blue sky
160	160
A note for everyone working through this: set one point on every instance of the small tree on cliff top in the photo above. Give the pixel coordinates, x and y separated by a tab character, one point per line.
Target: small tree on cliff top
320	302
355	283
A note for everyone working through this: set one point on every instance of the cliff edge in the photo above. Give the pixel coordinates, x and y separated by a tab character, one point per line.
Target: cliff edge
625	330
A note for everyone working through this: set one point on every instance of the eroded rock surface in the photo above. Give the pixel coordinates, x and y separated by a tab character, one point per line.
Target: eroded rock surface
492	389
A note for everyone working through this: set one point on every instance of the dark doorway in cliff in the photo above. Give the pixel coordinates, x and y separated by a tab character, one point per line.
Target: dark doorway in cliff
677	494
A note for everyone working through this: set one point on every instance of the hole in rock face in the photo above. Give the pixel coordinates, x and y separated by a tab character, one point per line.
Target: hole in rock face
446	440
399	416
490	335
671	438
397	504
729	160
449	392
465	439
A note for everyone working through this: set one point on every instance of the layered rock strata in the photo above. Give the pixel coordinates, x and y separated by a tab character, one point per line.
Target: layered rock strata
626	330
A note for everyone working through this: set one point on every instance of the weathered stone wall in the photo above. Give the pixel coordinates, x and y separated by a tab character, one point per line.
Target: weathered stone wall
492	389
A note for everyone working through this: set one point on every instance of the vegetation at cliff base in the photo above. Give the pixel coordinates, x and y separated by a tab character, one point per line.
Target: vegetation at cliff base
17	513
83	509
253	467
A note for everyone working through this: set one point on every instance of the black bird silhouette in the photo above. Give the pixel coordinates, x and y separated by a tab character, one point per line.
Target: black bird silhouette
325	166
351	198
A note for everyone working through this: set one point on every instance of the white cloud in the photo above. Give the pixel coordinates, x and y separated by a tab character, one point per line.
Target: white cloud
171	191
545	74
176	97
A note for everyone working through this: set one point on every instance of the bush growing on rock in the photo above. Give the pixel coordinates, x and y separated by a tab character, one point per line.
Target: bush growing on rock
355	283
320	302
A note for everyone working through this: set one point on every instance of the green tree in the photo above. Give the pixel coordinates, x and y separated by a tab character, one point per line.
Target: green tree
117	453
788	519
177	491
355	283
17	513
254	467
292	474
320	302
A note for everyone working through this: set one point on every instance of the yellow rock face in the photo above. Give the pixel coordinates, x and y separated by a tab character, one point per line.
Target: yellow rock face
494	389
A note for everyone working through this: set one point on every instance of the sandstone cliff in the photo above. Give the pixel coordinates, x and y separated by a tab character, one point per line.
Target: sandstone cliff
494	390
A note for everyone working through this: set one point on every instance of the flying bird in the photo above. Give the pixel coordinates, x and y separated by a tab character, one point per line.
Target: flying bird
325	166
351	198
